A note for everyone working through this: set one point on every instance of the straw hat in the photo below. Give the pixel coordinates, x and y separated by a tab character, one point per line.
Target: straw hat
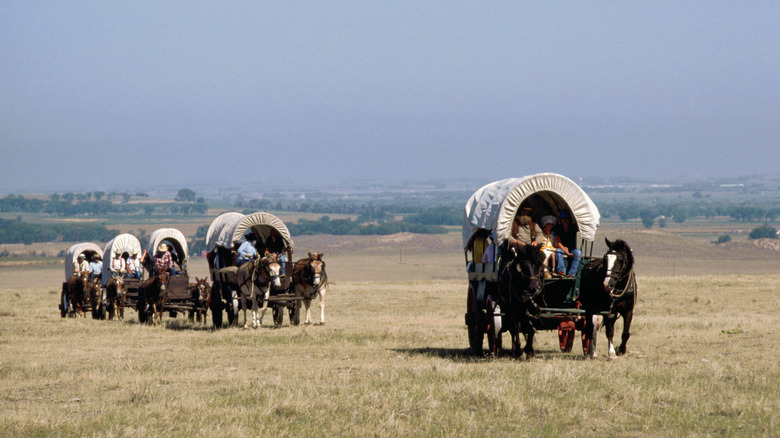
163	247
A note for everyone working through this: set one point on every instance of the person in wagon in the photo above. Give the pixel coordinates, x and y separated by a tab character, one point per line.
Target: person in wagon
275	245
247	250
134	266
96	267
566	245
547	244
81	265
162	259
118	267
524	229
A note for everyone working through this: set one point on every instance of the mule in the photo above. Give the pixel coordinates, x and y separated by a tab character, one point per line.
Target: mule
520	281
78	293
256	276
201	296
96	298
155	294
608	285
116	292
309	280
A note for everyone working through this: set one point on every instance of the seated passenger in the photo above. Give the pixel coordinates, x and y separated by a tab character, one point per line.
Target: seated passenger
274	245
548	241
566	244
96	267
118	266
247	250
133	266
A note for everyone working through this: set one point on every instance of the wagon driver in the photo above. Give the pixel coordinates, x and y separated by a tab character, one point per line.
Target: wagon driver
81	265
524	229
247	250
566	245
162	259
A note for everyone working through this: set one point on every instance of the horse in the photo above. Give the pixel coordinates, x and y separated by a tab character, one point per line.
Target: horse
201	295
309	280
155	294
116	292
78	289
519	282
258	275
608	285
95	297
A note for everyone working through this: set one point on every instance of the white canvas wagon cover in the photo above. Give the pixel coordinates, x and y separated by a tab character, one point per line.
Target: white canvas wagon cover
175	237
494	206
219	230
124	243
71	255
230	229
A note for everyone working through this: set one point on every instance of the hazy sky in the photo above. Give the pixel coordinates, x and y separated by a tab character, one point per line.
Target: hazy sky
99	93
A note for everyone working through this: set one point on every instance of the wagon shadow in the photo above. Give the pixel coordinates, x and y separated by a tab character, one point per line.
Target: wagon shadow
465	355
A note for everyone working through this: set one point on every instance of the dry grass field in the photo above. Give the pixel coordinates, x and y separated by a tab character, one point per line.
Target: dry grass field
392	361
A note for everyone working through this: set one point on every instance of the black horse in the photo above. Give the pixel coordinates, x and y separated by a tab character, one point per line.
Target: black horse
519	282
608	285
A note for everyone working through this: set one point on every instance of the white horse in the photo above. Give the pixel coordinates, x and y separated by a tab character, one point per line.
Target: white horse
309	280
254	277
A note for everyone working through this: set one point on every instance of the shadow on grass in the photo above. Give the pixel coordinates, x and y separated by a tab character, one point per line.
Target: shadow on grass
466	355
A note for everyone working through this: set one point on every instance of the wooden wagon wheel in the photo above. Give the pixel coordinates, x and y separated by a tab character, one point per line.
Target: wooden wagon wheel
473	322
295	313
278	315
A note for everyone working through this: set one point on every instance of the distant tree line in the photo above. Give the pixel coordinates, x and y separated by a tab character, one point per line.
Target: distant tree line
18	231
69	205
344	227
679	212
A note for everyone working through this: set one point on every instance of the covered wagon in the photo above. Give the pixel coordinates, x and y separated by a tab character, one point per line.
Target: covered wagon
89	250
488	217
223	238
179	294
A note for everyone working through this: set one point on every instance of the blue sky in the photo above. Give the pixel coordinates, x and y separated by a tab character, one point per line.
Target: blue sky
104	94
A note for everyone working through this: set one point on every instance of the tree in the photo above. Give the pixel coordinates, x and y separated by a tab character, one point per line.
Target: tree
55	197
763	232
185	195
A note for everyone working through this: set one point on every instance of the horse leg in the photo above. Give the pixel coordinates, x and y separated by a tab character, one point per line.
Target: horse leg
255	319
266	294
322	306
515	335
609	329
627	317
594	328
307	305
243	307
529	339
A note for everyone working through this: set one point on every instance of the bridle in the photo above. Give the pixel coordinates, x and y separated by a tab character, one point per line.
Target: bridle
616	275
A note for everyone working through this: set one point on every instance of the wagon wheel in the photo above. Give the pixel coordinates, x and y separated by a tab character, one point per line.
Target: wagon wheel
64	303
278	315
102	311
216	307
295	313
473	322
493	329
566	332
140	307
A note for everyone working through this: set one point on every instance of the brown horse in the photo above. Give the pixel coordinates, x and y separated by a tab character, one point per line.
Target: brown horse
309	280
155	294
95	297
116	292
78	293
260	275
608	285
201	295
